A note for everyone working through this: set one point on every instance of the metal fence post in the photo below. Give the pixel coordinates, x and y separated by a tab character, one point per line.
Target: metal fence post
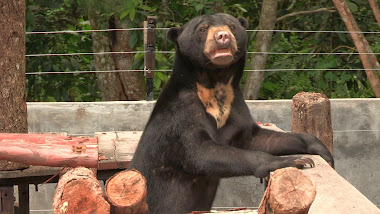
149	55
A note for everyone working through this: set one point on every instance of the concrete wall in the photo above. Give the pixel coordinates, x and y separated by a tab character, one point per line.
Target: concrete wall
356	124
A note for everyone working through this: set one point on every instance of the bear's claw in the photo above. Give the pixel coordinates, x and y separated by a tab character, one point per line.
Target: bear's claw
303	162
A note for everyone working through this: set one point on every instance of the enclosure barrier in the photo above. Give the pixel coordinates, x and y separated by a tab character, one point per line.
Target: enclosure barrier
333	193
111	152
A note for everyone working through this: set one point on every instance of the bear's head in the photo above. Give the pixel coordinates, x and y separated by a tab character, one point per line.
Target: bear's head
212	41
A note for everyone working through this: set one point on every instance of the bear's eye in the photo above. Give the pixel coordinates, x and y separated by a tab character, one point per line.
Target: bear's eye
203	28
232	26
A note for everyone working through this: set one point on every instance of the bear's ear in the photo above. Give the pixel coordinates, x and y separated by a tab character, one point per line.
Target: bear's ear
243	22
174	33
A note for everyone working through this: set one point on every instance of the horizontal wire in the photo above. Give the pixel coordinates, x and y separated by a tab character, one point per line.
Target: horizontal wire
253	30
89	72
315	53
90	53
172	52
166	70
82	31
315	31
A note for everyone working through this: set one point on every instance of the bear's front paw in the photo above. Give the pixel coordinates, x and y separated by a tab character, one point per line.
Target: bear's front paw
316	147
298	162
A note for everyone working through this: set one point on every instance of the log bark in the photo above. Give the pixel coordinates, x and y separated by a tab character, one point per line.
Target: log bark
13	115
289	191
366	55
311	114
78	191
36	149
126	192
262	44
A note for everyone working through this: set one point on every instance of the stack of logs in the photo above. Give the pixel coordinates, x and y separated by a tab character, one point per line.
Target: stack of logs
79	191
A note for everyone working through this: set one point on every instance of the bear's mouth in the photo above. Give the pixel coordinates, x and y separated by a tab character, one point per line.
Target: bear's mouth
222	56
223	52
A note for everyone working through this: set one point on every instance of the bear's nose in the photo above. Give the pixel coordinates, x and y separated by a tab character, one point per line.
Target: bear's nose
222	37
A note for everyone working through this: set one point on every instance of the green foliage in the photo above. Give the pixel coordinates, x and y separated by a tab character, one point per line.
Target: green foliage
58	87
335	84
72	15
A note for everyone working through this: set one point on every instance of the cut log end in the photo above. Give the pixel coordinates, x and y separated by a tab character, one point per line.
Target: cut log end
288	191
78	191
310	97
126	192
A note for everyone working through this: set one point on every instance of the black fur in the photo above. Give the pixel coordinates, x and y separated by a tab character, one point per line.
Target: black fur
183	154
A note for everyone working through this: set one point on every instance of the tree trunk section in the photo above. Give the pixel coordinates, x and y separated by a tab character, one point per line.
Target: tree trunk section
133	82
110	84
368	58
126	192
376	10
115	85
289	191
263	41
78	191
13	115
311	114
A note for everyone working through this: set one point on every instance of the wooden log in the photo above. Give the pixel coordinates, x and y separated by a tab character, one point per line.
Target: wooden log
117	148
49	150
311	113
289	191
78	191
126	192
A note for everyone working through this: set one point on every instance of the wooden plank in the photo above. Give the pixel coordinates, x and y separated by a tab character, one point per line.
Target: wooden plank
6	200
23	196
117	146
30	172
335	195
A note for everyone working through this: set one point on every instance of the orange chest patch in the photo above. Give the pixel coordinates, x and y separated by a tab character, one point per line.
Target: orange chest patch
217	101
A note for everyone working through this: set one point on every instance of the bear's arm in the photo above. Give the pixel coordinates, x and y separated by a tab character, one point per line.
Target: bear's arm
204	157
280	143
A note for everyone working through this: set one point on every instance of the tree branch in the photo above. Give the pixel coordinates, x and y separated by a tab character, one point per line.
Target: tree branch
330	10
376	10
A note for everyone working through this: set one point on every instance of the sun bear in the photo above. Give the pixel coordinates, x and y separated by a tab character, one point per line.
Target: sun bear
201	129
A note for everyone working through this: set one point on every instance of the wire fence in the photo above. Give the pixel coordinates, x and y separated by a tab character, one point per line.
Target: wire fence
172	52
167	70
249	30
